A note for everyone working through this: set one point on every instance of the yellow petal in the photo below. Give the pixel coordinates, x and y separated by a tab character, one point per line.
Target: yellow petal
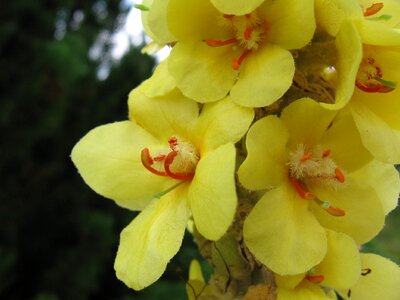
349	56
381	283
306	121
201	72
290	281
285	17
149	242
385	181
237	7
331	14
265	164
156	24
265	75
163	116
222	122
341	266
377	33
194	20
364	213
344	140
305	291
382	140
212	193
108	159
160	83
283	234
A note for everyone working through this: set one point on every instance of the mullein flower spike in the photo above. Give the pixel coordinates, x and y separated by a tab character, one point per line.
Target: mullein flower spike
270	131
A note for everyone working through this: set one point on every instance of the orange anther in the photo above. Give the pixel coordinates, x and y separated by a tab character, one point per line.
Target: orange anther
247	33
218	43
236	62
335	211
306	156
339	175
326	153
315	278
300	190
373	9
226	16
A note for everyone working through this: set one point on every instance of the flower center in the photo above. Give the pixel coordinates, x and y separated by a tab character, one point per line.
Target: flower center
315	165
248	32
370	78
177	161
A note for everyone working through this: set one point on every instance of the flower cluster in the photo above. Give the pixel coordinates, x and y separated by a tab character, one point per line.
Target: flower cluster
273	126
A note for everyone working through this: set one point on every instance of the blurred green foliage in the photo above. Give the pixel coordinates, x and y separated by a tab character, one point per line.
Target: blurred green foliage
58	238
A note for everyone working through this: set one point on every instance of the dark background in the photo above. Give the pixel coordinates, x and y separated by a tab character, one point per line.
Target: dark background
58	238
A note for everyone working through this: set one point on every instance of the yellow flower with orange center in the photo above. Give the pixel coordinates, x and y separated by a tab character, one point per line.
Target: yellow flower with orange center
308	160
171	162
223	47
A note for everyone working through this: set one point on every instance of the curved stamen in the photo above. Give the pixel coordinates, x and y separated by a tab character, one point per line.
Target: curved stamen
178	175
147	162
219	43
374	88
373	9
236	62
300	190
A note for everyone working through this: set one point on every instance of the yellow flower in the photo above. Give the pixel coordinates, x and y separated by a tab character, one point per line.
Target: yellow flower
306	162
340	269
235	47
172	162
367	41
380	279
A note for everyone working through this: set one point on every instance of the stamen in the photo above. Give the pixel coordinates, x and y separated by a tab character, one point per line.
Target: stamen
300	190
326	153
147	162
373	9
339	175
334	211
236	62
374	88
315	278
219	43
369	78
179	175
173	142
247	33
306	156
226	16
